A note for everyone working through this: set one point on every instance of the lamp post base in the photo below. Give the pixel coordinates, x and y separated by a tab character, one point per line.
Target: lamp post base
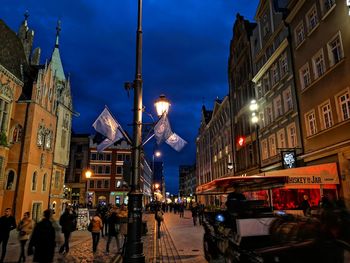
134	245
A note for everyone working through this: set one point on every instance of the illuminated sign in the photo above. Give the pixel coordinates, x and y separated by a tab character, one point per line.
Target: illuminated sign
289	159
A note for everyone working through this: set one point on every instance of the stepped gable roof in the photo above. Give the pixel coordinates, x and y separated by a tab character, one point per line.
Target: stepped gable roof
206	114
11	51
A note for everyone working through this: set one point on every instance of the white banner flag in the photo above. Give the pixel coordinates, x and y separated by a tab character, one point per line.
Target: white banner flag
162	129
176	142
108	127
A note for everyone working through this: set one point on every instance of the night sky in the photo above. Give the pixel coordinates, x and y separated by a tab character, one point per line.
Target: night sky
185	54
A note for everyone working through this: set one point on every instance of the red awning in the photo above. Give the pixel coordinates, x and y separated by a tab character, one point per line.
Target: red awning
243	183
324	174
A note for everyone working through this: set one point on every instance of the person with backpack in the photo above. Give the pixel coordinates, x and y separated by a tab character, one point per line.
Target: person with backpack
96	227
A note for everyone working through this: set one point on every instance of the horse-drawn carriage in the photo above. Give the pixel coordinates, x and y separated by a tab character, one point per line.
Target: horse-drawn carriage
250	231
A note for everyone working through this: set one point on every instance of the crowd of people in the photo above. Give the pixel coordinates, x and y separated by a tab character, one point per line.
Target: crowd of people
45	236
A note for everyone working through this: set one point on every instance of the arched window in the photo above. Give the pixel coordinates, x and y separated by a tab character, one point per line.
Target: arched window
44	183
17	134
34	181
10	184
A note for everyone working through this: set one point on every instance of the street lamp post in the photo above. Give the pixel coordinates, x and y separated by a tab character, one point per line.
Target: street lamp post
134	245
88	174
155	154
255	119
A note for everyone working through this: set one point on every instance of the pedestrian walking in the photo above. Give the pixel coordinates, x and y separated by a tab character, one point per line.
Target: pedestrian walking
68	225
194	211
7	223
181	210
24	228
123	220
200	213
159	218
97	226
113	229
42	243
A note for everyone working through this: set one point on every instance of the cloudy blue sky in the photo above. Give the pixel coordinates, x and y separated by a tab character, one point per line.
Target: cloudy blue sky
185	53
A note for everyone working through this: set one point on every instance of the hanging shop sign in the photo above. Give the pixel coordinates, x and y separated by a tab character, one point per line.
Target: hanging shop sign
315	174
289	159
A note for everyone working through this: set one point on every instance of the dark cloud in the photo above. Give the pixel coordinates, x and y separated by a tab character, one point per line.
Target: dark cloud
185	53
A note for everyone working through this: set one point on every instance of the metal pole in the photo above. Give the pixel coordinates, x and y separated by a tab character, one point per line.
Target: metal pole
134	245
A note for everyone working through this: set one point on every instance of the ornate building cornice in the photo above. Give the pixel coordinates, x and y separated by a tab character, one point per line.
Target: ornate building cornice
12	77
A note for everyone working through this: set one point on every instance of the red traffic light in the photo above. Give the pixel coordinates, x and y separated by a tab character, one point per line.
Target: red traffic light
241	141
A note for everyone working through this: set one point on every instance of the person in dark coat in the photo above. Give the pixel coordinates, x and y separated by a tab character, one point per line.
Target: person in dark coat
113	230
43	240
68	224
7	223
305	206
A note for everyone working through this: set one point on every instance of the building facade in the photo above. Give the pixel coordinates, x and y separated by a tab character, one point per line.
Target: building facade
214	147
245	144
203	152
187	181
107	184
321	45
75	180
278	116
31	132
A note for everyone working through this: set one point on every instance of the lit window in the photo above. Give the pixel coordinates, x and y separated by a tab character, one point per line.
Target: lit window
278	106
265	150
312	18
272	144
299	33
326	115
335	50
281	139
310	120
